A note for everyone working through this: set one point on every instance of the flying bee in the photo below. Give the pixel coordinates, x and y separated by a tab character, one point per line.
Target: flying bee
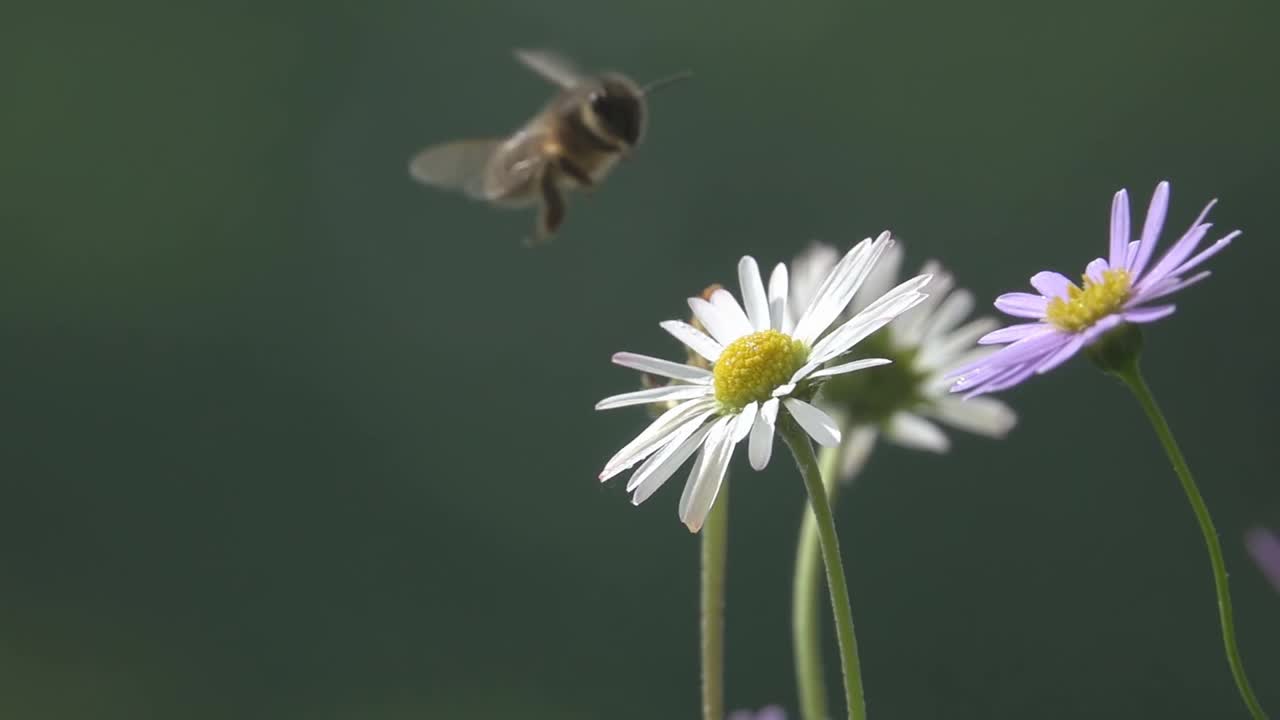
573	142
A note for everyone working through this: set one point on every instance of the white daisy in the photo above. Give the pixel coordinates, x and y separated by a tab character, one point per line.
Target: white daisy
763	364
905	402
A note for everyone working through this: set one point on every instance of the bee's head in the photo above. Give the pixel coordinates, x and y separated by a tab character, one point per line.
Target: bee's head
615	110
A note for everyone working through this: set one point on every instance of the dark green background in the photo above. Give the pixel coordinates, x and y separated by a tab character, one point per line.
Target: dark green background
288	436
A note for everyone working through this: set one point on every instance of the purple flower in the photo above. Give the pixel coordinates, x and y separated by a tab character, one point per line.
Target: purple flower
1264	546
1120	288
772	712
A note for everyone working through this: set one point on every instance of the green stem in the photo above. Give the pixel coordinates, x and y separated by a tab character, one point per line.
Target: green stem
715	551
807	642
798	441
1132	377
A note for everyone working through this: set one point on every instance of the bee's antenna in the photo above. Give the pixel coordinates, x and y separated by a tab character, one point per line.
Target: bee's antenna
660	82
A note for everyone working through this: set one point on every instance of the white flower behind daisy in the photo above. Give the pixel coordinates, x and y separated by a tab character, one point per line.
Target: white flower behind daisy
907	402
765	368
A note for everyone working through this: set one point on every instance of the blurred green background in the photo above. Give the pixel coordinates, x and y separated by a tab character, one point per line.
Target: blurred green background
289	436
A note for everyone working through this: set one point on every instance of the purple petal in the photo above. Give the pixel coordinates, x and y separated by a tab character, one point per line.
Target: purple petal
1150	229
1095	269
1029	347
1022	305
1025	350
1149	314
1119	228
1051	284
1264	546
1012	333
1172	259
1101	327
1013	378
1132	254
1170	286
771	712
974	377
1002	380
1205	254
1066	353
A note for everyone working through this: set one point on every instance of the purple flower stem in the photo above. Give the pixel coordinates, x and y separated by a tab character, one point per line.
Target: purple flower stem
1132	377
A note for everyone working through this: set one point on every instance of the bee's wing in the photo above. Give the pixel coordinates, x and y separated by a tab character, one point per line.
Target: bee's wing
461	165
551	66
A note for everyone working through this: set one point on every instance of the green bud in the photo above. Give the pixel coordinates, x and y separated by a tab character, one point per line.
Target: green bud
1117	351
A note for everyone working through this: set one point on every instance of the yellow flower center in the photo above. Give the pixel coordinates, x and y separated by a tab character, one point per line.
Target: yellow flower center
753	365
1084	307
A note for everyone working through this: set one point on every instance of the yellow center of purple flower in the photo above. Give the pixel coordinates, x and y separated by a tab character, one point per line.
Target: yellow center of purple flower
1082	307
754	365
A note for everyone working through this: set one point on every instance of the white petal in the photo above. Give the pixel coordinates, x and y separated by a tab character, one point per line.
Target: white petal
779	317
693	338
883	276
729	308
855	330
742	425
917	433
949	314
839	288
874	317
664	368
658	432
943	351
817	423
663	464
910	327
715	430
850	367
981	415
753	294
855	450
670	445
653	395
808	271
713	319
708	474
761	444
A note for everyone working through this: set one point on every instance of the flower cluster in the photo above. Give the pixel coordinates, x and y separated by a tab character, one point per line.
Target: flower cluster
792	351
766	365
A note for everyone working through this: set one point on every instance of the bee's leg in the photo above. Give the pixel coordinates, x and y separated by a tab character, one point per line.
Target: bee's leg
551	214
575	171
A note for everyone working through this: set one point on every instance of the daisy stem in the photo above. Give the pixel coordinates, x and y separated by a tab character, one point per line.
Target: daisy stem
798	441
1132	376
807	644
715	551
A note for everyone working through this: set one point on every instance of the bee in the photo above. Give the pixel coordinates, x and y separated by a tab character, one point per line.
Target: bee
572	143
